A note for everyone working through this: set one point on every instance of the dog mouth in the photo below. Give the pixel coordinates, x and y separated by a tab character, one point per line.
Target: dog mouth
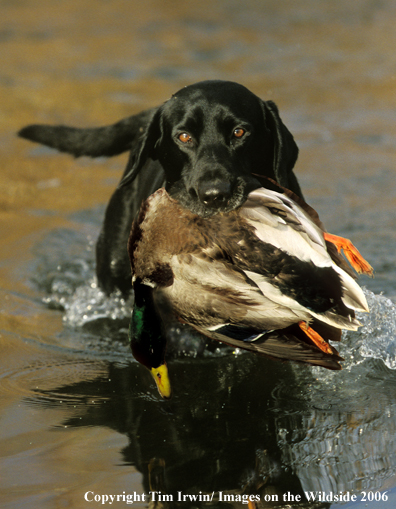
207	208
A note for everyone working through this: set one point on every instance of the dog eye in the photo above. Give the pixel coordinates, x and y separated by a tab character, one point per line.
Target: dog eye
239	132
185	138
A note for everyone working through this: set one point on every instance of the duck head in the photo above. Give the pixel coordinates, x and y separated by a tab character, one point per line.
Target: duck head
147	340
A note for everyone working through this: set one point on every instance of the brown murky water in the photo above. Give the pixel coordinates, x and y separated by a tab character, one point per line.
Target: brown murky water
77	416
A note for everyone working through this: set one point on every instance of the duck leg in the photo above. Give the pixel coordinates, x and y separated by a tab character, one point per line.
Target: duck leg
352	254
315	337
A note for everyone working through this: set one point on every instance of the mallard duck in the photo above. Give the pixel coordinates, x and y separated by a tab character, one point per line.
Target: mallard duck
264	277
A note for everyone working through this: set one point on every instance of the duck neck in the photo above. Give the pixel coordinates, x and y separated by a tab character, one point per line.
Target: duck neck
145	332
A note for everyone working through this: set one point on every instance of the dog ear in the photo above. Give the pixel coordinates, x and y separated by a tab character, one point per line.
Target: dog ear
146	149
285	148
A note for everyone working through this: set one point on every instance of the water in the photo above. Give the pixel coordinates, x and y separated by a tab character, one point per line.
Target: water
78	415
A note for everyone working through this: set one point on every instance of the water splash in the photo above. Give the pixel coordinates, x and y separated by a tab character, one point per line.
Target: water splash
89	303
65	271
377	337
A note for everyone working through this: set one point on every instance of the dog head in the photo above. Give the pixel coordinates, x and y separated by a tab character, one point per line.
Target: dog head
210	138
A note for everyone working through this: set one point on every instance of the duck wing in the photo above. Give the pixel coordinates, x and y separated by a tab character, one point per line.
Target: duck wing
287	344
280	222
212	291
335	245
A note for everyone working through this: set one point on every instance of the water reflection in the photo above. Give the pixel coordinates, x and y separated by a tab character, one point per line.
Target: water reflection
239	424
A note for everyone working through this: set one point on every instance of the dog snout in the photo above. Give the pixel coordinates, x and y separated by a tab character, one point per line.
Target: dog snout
214	194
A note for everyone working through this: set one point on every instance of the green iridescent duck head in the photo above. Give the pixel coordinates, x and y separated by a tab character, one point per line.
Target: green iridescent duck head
147	340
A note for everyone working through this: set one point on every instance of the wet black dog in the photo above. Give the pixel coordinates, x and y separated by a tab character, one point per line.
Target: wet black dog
207	145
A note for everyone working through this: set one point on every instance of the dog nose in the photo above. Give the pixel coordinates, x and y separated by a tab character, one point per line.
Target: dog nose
214	194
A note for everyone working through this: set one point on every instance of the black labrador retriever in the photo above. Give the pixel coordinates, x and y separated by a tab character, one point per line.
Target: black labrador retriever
209	144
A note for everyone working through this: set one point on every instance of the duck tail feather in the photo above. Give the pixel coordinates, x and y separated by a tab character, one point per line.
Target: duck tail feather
353	296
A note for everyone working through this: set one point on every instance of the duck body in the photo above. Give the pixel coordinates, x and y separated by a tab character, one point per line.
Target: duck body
250	277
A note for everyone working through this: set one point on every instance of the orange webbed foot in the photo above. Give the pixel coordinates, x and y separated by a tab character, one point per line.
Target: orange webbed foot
315	338
351	253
